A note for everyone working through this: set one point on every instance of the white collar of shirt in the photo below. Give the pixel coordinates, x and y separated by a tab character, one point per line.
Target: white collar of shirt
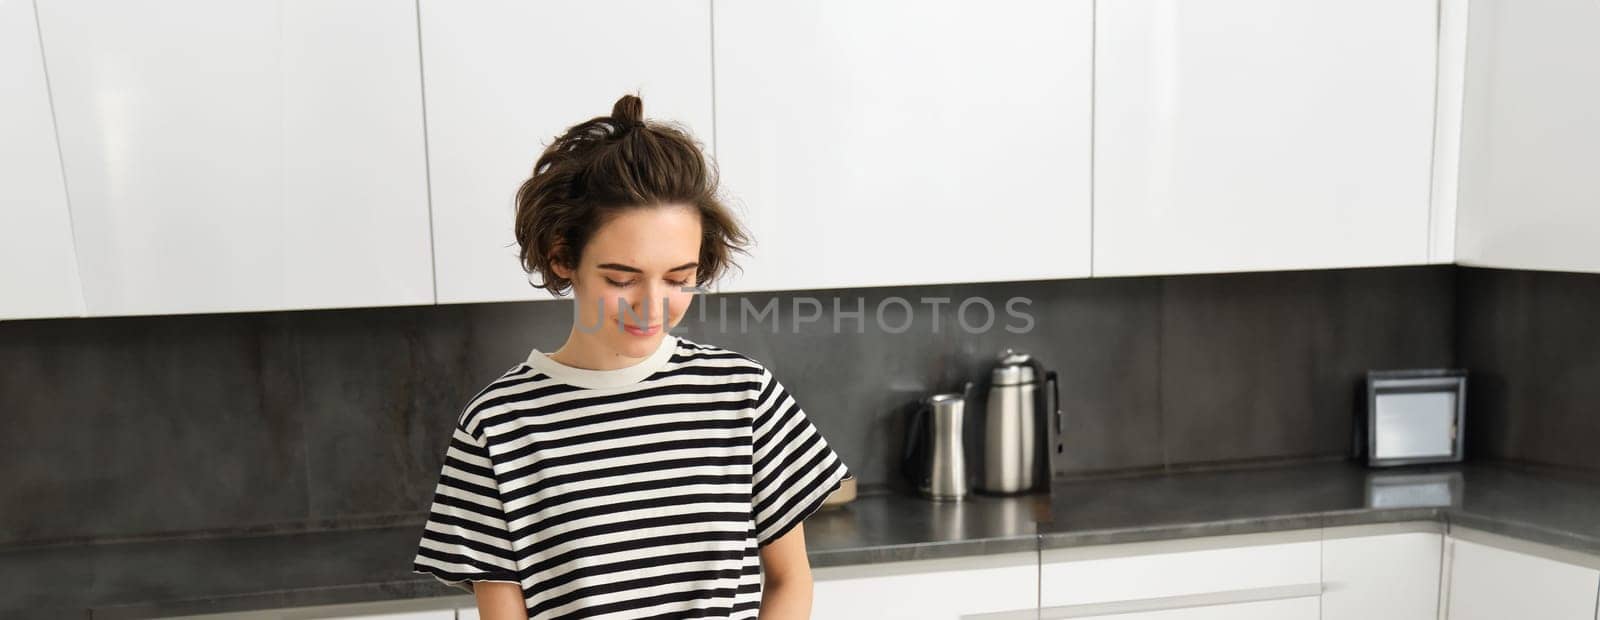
587	378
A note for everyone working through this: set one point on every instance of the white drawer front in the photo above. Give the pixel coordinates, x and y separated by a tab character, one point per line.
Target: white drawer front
944	589
1287	609
1101	575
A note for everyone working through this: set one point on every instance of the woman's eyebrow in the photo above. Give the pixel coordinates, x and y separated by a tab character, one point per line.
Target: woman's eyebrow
631	269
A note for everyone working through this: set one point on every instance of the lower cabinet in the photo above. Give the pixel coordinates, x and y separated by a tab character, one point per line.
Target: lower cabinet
1389	571
1396	571
1386	571
1393	571
444	608
1302	608
1494	577
1272	575
439	614
1000	586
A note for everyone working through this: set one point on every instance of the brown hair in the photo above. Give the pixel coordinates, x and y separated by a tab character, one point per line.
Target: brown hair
610	163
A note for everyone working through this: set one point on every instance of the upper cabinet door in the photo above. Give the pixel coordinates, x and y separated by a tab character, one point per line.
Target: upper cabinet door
505	77
40	277
1530	198
1242	135
241	156
874	143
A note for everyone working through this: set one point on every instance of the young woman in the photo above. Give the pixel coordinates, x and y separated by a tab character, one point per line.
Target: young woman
629	473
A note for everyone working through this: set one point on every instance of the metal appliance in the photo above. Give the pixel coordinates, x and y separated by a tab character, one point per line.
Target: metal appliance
1412	416
1017	435
934	459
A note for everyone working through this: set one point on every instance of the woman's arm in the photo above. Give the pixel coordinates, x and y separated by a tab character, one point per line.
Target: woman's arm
499	600
786	578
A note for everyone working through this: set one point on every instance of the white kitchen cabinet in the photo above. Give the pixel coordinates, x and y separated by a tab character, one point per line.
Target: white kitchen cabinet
1386	571
504	78
1529	196
872	143
437	614
1244	567
241	156
1450	96
1495	578
1245	135
940	589
40	278
443	608
1301	608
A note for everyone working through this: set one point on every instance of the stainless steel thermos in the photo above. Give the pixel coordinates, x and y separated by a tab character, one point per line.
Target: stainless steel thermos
1016	437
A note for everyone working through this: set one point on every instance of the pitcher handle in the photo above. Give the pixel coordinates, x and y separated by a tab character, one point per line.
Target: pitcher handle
915	443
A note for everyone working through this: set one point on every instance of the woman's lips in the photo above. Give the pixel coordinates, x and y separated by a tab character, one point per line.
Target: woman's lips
645	331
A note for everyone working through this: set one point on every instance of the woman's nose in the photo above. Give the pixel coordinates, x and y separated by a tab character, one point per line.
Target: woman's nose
660	297
649	304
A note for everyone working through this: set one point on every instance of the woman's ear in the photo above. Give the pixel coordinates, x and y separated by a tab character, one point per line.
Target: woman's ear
560	265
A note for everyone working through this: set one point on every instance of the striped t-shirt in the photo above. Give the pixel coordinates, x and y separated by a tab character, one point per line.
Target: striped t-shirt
642	492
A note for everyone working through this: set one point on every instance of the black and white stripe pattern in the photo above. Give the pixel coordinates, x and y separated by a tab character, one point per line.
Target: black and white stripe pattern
648	499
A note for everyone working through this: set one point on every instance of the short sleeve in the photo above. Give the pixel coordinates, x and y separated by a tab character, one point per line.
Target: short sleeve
794	468
466	537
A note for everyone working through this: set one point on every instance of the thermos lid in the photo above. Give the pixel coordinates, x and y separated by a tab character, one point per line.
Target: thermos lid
1013	368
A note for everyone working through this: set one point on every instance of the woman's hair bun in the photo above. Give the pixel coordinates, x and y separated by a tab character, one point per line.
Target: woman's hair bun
628	112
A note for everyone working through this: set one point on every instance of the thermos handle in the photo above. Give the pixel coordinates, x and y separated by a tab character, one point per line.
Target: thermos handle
1055	404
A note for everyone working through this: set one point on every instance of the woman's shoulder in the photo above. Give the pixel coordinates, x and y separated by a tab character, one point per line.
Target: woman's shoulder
500	393
694	354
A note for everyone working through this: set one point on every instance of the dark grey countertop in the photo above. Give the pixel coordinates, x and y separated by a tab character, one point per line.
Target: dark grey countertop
1556	508
239	573
206	575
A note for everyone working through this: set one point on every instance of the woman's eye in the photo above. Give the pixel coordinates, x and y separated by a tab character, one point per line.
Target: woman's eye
678	282
619	284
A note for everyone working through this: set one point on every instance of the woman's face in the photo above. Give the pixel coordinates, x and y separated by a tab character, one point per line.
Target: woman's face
632	273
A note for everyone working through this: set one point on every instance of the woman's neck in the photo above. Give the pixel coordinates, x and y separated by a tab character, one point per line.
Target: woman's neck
584	350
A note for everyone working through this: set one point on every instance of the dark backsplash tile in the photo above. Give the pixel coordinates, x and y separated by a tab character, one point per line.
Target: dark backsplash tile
129	425
148	425
1268	365
1104	338
1532	342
